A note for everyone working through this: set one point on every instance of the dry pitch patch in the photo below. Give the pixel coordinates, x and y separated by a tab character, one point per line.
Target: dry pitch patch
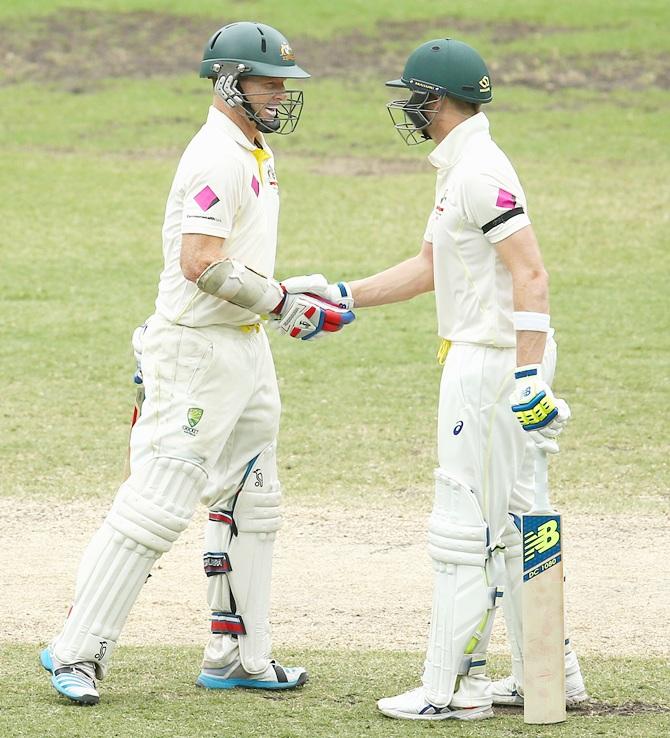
342	579
73	48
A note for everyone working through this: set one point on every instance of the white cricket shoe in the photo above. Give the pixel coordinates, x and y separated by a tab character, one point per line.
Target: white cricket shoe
74	681
508	692
413	705
274	677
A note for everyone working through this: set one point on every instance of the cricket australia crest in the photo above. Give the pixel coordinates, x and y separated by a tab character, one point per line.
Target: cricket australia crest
193	416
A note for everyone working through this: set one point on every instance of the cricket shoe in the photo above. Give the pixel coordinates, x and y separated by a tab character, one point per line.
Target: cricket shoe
46	659
74	681
234	675
508	692
413	705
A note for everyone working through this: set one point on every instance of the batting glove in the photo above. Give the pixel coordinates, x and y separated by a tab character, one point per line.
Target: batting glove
307	316
316	284
539	412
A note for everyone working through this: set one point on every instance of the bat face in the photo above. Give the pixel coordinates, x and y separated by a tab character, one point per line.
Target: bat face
541	544
543	622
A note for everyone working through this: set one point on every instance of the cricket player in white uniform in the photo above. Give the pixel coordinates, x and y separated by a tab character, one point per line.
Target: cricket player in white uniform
210	419
481	257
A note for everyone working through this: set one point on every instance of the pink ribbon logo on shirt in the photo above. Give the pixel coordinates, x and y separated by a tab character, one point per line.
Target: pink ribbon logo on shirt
206	198
255	185
505	199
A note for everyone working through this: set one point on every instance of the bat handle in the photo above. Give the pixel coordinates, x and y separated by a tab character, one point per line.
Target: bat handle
541	503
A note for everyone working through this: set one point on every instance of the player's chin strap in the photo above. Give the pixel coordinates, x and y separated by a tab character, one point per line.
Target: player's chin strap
228	89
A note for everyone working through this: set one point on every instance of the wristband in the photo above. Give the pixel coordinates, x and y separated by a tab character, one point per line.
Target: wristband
525	321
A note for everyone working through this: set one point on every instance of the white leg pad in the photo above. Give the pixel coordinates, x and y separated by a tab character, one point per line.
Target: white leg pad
463	601
151	509
512	604
238	562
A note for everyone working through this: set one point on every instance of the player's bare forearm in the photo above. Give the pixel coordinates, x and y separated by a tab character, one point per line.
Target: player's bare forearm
530	286
199	251
401	282
530	294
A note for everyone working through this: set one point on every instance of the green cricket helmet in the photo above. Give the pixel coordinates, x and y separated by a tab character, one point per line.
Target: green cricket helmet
443	67
247	49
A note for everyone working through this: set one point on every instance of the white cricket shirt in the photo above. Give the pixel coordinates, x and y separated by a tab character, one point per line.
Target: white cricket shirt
224	186
478	202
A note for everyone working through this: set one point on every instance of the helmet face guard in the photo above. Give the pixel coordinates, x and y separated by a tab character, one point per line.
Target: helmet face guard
413	115
287	115
288	111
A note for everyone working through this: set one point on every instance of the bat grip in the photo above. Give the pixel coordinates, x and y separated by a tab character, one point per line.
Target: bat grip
541	503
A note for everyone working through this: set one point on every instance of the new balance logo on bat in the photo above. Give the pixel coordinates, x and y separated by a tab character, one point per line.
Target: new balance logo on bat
541	544
539	541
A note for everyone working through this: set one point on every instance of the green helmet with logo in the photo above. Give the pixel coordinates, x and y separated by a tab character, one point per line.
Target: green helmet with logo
262	50
443	67
246	49
446	66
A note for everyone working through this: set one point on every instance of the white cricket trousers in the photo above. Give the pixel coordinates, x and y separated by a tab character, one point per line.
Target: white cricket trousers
480	442
211	397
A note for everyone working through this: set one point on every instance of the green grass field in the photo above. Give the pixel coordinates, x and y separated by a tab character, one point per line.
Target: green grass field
96	108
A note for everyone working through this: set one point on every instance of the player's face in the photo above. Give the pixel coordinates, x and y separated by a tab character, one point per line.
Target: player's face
433	107
264	95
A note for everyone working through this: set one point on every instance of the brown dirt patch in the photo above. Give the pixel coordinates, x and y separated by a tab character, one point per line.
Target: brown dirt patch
342	579
595	708
74	48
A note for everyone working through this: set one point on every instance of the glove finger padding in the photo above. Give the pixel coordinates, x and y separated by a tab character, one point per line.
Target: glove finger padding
548	445
306	316
338	293
314	283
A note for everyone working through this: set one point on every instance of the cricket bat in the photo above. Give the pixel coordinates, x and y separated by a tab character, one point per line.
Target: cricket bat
543	611
137	411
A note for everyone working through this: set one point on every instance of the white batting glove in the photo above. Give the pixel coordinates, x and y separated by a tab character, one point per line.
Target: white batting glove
338	293
306	316
539	412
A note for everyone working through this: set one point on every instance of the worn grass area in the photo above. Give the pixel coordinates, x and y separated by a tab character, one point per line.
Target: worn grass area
150	694
593	24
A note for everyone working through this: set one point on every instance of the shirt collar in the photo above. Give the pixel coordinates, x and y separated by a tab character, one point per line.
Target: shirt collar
223	123
451	148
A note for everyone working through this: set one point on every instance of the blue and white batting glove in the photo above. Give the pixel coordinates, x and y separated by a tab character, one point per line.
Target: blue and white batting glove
339	293
541	414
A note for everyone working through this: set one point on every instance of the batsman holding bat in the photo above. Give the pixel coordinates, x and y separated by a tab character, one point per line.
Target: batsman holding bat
210	418
481	257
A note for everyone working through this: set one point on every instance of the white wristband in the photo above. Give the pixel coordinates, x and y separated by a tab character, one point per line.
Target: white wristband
525	321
